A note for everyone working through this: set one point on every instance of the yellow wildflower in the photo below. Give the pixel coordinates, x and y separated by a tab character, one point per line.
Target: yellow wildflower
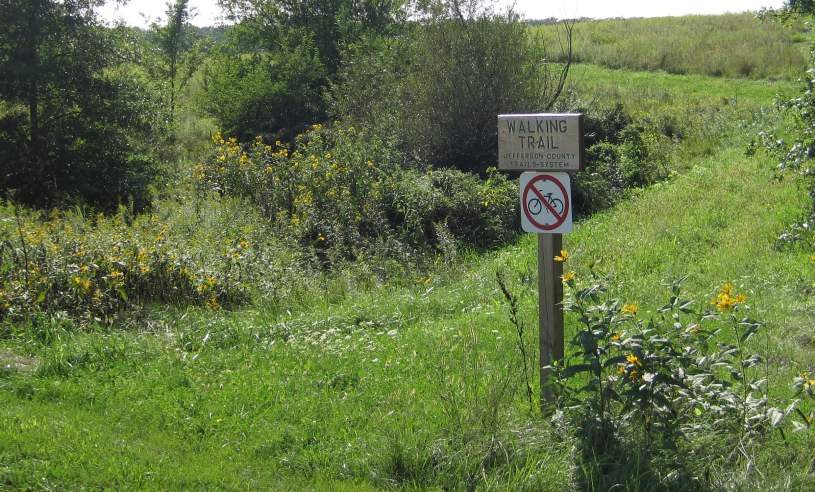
568	276
244	244
615	337
116	274
563	256
213	303
633	359
725	300
630	309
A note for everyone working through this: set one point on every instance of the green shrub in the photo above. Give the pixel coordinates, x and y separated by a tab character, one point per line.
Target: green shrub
646	392
620	154
344	192
264	92
95	269
438	88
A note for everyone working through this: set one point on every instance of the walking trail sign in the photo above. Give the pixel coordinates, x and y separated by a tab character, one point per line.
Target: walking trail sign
540	142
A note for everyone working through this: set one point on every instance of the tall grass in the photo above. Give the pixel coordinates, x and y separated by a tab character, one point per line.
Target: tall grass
733	45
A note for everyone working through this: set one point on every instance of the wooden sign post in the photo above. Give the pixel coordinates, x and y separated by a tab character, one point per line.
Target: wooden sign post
545	142
550	297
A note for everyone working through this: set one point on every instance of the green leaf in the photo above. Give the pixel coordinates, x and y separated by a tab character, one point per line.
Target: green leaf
685	307
748	332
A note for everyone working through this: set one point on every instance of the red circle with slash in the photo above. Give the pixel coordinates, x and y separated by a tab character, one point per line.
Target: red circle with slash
559	217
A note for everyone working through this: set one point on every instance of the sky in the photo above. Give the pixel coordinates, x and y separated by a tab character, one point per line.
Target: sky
142	12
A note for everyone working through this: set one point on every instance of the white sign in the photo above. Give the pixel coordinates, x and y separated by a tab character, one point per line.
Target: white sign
540	142
546	203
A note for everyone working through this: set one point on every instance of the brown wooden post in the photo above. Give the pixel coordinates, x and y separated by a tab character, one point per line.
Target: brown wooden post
550	300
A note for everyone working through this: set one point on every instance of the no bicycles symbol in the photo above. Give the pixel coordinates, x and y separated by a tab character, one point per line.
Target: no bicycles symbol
546	202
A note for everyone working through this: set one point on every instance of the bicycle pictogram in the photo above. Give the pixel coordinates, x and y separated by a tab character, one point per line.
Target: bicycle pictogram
535	206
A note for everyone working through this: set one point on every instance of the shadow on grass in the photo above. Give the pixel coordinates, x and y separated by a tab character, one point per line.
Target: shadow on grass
606	461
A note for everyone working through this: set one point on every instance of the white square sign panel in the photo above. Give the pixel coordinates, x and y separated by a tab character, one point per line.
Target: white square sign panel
546	202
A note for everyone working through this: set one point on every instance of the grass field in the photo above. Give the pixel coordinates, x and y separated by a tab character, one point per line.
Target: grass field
416	382
735	45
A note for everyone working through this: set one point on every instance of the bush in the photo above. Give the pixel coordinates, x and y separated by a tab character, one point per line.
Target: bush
343	192
94	270
647	393
620	154
92	155
264	92
439	87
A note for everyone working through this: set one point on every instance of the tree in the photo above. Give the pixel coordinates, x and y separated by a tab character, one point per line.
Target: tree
460	65
330	24
180	49
264	93
272	74
73	127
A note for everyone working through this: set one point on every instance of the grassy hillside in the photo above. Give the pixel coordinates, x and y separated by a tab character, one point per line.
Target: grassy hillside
729	45
416	381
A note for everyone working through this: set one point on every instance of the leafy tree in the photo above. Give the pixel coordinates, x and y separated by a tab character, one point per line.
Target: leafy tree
74	127
272	74
445	81
274	93
330	24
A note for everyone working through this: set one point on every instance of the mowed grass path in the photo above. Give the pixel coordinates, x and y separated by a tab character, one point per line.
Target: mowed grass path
394	385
